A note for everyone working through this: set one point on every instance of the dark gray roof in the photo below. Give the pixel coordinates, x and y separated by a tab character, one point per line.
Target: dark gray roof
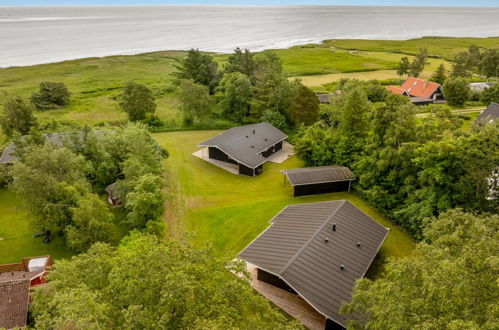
245	144
56	139
111	189
491	113
294	248
320	174
325	98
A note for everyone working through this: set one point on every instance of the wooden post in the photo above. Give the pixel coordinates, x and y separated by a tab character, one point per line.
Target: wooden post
349	182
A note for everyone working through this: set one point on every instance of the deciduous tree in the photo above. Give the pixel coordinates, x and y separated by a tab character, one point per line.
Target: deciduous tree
51	95
456	91
196	101
17	117
137	101
304	106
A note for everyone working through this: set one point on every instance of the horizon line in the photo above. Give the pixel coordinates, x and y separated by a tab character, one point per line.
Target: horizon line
248	5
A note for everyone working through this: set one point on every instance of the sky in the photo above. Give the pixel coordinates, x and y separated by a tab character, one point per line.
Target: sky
470	3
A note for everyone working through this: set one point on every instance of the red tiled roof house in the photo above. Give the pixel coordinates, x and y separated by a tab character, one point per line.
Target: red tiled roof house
419	90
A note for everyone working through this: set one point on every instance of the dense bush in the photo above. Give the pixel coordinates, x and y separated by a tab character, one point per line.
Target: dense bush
456	91
137	101
51	95
17	117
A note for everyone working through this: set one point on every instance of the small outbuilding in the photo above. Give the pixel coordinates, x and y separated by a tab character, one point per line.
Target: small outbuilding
319	180
317	251
246	148
480	86
112	197
490	114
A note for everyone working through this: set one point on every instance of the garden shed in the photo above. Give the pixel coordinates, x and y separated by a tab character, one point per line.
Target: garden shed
319	180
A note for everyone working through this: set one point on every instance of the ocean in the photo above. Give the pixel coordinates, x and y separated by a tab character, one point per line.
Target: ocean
34	35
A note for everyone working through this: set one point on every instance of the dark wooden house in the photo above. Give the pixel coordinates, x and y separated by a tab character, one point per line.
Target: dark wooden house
246	146
319	180
318	251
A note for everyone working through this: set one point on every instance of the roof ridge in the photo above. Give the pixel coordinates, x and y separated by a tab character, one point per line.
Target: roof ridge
307	243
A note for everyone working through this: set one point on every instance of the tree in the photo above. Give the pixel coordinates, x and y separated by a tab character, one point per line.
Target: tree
200	68
17	117
241	62
461	66
274	118
456	91
152	283
51	180
304	107
355	109
489	63
450	282
418	64
145	202
51	95
236	93
490	95
137	101
195	99
439	75
272	88
404	66
91	223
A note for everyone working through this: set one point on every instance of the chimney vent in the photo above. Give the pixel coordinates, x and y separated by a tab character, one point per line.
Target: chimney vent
252	146
326	239
334	227
254	131
247	136
342	267
358	244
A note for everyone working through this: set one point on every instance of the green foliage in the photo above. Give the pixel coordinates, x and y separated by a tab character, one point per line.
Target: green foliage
490	95
461	66
439	75
274	118
304	106
449	283
408	169
200	68
137	101
404	66
488	64
51	95
17	117
456	91
241	62
150	283
418	64
195	99
145	202
272	89
236	94
51	180
92	222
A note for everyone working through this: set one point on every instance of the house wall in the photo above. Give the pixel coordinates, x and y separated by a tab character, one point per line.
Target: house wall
273	280
320	188
215	153
246	170
272	150
331	325
438	95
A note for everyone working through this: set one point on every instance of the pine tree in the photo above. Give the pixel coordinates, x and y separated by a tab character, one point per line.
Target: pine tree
440	75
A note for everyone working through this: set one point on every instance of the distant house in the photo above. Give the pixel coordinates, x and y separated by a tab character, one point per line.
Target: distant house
57	139
319	180
420	92
325	98
490	114
480	86
15	282
245	147
317	251
112	197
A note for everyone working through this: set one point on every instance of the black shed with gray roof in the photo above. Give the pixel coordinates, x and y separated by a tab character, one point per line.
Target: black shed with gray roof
319	180
317	250
248	146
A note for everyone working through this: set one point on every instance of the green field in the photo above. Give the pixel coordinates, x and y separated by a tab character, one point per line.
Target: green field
443	47
228	211
16	233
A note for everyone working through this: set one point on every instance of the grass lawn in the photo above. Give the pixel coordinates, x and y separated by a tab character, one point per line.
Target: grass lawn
228	211
437	46
16	233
